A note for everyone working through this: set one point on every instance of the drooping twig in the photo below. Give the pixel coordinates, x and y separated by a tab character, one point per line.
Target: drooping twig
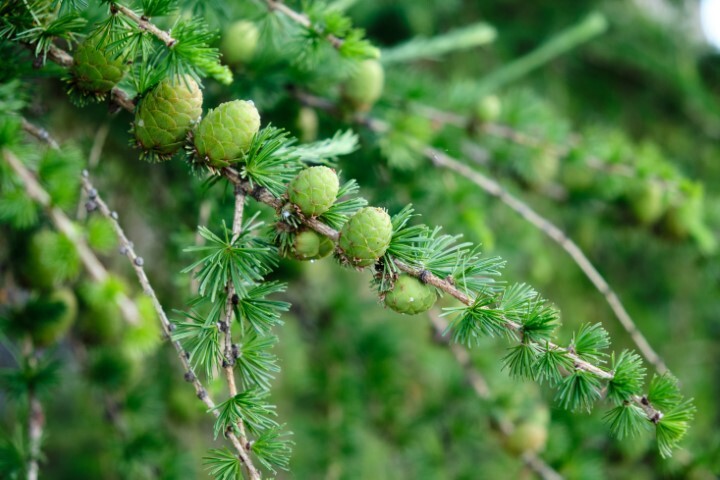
481	388
548	228
64	225
240	444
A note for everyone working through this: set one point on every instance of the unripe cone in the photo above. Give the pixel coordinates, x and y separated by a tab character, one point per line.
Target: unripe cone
410	296
647	201
314	190
166	114
527	437
225	134
94	70
239	42
488	108
366	236
311	245
365	85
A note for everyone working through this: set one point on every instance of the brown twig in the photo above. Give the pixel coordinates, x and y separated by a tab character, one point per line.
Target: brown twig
239	443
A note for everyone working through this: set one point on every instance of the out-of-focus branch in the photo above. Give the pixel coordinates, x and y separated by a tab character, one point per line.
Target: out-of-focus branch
91	263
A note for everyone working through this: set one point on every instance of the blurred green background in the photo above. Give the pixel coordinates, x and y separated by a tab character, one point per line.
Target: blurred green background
370	394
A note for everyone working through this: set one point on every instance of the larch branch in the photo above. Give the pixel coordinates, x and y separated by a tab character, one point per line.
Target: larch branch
137	263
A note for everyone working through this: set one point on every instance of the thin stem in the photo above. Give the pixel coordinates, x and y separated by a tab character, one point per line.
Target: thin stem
558	236
65	226
144	24
302	20
137	263
229	360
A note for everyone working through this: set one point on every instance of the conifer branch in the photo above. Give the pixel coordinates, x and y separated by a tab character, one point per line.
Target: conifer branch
94	267
144	24
493	188
240	444
481	388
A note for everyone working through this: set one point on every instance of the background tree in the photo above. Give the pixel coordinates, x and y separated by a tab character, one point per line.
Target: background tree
575	142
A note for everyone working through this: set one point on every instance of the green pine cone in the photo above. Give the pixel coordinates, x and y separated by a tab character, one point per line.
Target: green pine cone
314	190
647	201
365	85
410	296
225	134
311	245
94	70
239	42
366	236
165	116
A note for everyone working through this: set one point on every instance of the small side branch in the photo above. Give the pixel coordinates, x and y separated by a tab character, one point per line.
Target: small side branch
144	24
240	444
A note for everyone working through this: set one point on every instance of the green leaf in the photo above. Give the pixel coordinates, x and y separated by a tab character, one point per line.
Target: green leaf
326	151
223	465
268	163
664	393
201	340
551	363
249	407
244	261
260	313
673	426
255	363
626	420
341	210
579	391
273	449
628	378
589	341
521	360
476	321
